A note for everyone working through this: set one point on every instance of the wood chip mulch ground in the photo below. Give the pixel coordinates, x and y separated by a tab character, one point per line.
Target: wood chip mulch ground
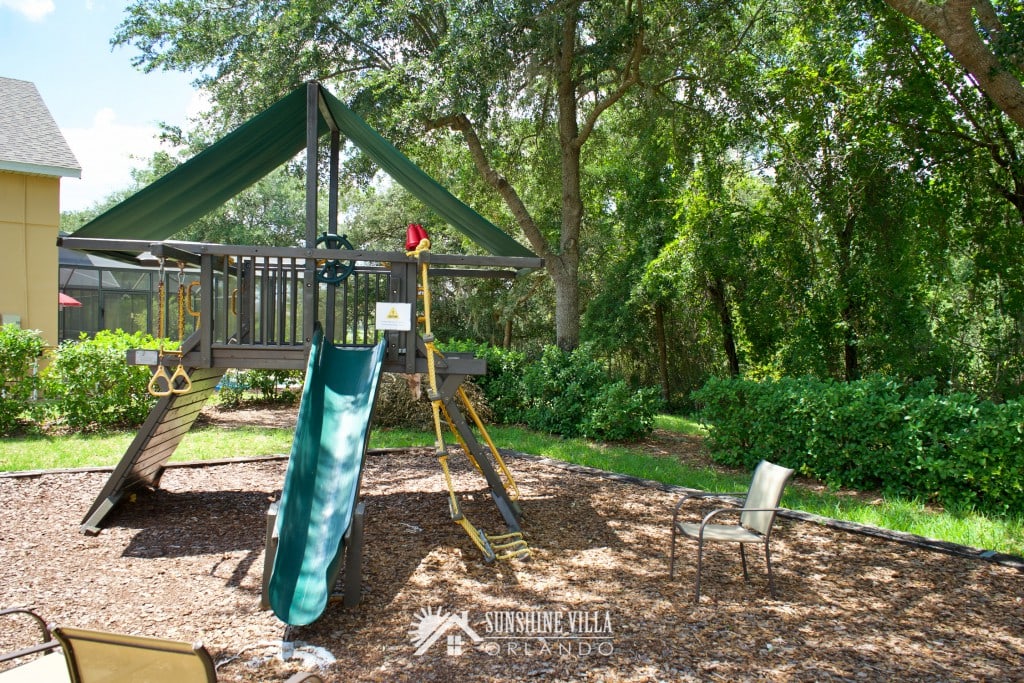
593	604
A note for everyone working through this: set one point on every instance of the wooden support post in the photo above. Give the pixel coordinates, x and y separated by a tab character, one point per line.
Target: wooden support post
205	323
269	553
353	584
311	291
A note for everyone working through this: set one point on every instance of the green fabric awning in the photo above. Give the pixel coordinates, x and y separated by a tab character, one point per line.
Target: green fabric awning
259	146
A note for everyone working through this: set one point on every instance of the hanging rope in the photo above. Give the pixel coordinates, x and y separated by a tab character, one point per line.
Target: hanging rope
162	384
181	383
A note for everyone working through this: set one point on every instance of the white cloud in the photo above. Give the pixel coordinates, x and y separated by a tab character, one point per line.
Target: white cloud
107	152
33	10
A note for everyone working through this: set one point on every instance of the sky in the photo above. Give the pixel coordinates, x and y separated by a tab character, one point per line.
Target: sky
107	109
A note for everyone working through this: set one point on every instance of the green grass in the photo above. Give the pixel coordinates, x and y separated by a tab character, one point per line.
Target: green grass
964	527
98	450
680	425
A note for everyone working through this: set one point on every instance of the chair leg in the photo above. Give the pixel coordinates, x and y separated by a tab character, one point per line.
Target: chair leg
743	560
768	561
672	561
700	558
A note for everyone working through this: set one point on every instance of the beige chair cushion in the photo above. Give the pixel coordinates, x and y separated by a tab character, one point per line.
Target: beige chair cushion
50	668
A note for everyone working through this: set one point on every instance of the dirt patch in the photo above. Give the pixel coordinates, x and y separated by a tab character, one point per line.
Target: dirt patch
186	562
270	415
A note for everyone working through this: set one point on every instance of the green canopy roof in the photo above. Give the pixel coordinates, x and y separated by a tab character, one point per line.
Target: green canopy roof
256	148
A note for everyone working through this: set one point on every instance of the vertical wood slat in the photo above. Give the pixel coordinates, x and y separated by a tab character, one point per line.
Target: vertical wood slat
281	293
205	324
293	298
262	301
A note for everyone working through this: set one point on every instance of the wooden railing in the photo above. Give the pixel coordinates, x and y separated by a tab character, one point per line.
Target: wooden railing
254	304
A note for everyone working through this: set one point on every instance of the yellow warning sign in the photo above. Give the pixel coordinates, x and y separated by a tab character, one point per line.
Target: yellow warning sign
394	316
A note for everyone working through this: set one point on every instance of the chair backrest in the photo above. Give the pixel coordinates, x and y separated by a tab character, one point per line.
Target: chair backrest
765	492
98	657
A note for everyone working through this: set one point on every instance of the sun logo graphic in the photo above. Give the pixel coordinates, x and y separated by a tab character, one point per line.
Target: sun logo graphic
430	626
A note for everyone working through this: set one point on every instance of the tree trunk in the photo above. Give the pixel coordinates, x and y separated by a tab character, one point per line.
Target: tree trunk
566	273
851	364
716	289
562	261
659	331
850	311
952	22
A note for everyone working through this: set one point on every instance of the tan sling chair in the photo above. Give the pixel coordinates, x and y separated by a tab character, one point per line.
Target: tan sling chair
754	525
82	656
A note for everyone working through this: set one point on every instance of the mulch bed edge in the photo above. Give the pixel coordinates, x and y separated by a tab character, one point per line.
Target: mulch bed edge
913	540
902	537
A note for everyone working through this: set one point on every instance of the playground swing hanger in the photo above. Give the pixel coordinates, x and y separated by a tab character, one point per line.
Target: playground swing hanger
161	384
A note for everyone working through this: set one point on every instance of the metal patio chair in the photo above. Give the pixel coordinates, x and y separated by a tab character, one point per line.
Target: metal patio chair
50	666
84	656
756	517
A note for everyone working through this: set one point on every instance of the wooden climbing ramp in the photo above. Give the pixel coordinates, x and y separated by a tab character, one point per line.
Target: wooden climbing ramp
146	458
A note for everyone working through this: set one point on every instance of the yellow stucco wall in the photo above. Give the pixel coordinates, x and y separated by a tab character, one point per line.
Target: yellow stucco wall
29	219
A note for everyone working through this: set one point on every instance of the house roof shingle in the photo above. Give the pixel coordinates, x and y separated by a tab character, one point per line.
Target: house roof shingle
30	141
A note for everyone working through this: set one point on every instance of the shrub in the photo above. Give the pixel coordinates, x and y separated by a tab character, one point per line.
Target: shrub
502	386
254	387
19	352
92	386
232	388
271	385
566	393
569	393
618	413
559	389
874	433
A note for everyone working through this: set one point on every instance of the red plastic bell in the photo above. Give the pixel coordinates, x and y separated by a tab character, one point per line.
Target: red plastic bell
414	234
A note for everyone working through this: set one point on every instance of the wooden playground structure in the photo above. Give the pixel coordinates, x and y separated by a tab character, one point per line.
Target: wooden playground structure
258	307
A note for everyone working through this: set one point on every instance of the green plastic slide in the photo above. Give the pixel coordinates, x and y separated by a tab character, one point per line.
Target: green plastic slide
321	485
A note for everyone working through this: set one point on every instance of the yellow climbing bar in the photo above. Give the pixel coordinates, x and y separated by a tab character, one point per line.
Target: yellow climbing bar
510	482
478	537
501	547
510	546
458	437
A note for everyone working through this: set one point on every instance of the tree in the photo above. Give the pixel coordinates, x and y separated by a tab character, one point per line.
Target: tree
971	153
522	83
634	209
985	38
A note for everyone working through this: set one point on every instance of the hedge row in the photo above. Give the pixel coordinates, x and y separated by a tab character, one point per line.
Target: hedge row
874	434
19	380
567	393
88	385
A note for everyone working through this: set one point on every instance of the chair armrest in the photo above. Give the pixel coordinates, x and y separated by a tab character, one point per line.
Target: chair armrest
705	494
714	513
48	641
